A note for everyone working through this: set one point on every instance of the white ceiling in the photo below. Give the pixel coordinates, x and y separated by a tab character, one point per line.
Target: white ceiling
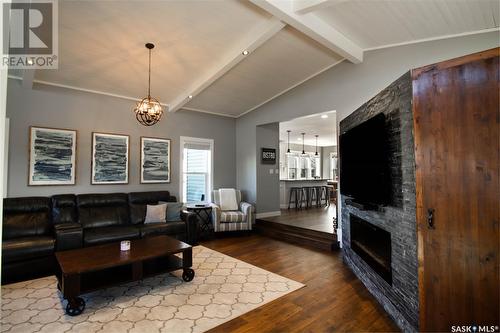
282	61
311	125
199	44
375	24
101	43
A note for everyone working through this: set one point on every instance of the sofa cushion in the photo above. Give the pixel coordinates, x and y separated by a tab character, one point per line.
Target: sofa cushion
27	248
102	210
94	236
139	200
233	216
174	211
64	209
169	228
156	214
26	217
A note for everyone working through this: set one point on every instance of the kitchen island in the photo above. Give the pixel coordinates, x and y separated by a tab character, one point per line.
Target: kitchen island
286	184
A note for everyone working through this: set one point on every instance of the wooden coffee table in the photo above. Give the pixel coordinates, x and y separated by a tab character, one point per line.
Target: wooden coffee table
98	267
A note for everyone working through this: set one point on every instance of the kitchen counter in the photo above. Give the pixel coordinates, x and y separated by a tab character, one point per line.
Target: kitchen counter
286	184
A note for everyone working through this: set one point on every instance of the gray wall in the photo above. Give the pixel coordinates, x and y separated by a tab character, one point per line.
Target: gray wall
344	88
268	185
85	112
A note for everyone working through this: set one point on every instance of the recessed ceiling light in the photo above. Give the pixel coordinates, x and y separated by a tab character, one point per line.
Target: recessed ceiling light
245	52
324	116
300	139
190	96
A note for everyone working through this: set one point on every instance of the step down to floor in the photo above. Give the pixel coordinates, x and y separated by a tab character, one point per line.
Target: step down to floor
297	235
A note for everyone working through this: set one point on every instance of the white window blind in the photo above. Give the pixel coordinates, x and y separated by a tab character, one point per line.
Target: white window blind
196	171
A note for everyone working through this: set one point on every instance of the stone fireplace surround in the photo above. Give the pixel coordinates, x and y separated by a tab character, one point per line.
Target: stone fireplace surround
400	299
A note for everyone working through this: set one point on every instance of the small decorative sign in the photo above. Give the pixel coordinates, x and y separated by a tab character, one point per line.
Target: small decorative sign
268	156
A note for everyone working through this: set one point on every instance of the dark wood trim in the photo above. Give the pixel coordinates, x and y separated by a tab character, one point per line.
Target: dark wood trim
297	235
456	125
491	53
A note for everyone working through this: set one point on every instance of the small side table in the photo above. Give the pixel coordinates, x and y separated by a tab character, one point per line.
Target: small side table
204	214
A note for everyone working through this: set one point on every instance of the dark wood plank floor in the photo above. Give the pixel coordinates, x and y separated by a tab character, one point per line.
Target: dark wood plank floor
334	300
319	219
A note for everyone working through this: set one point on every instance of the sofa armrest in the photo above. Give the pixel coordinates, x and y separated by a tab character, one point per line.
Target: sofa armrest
215	213
247	209
191	226
68	236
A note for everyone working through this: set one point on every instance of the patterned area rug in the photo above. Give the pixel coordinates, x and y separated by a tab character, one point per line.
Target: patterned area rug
223	288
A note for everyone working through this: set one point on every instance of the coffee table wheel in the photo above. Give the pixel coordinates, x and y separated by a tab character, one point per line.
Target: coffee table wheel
188	274
75	306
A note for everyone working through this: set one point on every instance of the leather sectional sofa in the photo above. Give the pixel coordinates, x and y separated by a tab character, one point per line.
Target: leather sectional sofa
35	227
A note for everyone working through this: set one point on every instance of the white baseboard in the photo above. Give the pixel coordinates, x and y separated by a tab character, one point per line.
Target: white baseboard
268	214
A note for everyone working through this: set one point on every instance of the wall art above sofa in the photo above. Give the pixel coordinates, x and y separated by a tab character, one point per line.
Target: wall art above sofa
155	160
52	156
110	158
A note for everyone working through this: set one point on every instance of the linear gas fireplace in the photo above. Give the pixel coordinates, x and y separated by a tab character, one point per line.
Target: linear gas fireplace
373	245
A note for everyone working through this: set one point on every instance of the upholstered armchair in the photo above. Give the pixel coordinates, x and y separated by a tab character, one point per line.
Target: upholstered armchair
231	220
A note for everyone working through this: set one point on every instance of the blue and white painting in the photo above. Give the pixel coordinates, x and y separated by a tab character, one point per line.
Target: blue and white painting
52	156
109	158
155	160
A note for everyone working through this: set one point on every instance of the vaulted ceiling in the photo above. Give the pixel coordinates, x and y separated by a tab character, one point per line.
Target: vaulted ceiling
199	44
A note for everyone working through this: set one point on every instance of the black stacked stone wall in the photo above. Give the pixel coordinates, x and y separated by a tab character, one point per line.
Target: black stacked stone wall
400	299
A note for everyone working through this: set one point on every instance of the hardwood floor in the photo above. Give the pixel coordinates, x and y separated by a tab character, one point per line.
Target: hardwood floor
319	219
333	300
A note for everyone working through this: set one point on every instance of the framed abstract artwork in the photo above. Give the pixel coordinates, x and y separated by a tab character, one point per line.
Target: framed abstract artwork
110	158
52	156
155	160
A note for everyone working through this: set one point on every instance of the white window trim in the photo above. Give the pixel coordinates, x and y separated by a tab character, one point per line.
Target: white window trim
182	141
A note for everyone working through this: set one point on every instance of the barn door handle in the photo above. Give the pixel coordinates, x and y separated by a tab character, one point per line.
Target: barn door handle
430	218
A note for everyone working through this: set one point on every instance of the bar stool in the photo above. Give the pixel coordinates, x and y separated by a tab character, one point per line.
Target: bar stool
303	198
332	194
311	195
295	193
317	189
323	195
328	195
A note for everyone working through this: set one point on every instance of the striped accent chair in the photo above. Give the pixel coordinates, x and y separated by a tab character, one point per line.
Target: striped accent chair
234	220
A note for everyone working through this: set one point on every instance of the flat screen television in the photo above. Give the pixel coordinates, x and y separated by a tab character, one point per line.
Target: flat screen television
364	162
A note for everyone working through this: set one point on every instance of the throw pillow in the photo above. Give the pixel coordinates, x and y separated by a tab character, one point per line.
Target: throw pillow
173	210
156	214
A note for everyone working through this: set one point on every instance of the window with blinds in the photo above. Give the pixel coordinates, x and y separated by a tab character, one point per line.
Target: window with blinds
196	171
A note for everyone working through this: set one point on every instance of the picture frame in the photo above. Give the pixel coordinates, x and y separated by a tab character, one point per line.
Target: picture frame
155	160
110	158
52	156
268	156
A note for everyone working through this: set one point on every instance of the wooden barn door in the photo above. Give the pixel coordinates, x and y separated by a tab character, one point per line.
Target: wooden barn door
456	118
